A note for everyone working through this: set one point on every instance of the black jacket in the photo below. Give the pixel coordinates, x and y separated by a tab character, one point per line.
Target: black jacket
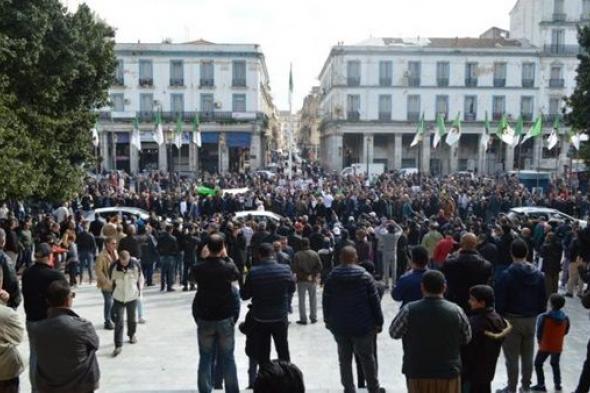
214	298
167	245
130	244
36	281
463	270
489	252
86	242
9	281
551	251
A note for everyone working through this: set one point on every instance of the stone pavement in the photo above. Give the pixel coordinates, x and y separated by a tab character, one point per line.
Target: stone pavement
165	358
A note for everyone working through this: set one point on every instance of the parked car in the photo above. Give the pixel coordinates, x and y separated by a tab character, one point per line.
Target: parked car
126	212
259	215
520	213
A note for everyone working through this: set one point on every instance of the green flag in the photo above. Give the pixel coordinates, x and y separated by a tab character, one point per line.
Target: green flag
419	132
441	131
159	132
535	130
206	191
518	130
196	131
485	137
455	132
178	133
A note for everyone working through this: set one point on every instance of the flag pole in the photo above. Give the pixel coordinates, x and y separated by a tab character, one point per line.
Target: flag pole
290	127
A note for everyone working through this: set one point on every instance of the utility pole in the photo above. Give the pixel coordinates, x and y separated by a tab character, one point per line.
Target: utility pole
290	123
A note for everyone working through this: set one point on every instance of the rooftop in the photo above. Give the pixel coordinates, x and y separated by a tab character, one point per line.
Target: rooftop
444	42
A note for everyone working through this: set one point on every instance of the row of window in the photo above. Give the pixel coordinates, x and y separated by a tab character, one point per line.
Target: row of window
353	105
146	102
559	14
443	72
206	73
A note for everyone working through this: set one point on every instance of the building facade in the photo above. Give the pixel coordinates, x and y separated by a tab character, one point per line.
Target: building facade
309	136
224	86
374	93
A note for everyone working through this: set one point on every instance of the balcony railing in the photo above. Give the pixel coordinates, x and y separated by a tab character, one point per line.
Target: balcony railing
177	82
560	49
145	116
527	116
470	116
238	83
559	17
413	116
385	82
353	81
119	82
413	82
185	116
471	82
442	82
497	115
528	83
353	115
146	82
499	82
556	83
206	83
550	118
385	116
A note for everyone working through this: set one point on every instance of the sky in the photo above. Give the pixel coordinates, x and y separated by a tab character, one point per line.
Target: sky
300	32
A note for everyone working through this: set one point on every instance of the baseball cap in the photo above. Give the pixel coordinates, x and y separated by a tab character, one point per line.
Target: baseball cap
43	250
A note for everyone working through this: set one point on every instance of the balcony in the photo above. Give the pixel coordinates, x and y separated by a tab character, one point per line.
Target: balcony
145	116
353	116
528	83
499	82
550	118
470	116
559	17
206	83
385	116
385	82
413	116
471	82
413	82
146	82
556	83
497	115
442	82
353	81
177	82
527	116
120	82
560	49
238	83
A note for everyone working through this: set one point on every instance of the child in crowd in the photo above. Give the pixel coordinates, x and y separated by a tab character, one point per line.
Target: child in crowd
552	327
488	329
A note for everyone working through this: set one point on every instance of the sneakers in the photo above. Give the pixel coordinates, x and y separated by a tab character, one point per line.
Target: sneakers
539	388
558	388
141	320
302	322
108	326
524	390
504	390
133	340
117	351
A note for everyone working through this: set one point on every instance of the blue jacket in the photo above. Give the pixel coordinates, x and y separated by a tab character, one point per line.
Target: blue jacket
270	286
520	290
407	288
351	302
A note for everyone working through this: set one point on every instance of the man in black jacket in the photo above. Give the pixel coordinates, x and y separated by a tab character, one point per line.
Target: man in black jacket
130	244
213	310
190	243
465	269
270	285
168	250
8	278
86	251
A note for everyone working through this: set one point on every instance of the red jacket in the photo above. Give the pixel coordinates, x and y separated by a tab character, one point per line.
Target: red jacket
443	249
552	327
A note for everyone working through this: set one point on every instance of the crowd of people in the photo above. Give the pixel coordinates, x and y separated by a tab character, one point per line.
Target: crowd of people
442	246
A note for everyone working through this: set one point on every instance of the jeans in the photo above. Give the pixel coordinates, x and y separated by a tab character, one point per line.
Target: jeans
311	288
252	371
217	368
108	306
167	271
540	360
519	343
363	347
32	358
148	272
262	333
389	267
178	267
86	262
208	333
186	269
584	382
119	310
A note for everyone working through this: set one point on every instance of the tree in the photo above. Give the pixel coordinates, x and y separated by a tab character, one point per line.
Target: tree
578	119
55	71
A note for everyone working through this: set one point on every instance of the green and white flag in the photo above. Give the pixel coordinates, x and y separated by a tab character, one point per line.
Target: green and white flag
441	131
178	133
505	132
485	137
419	137
576	139
196	131
518	130
535	130
455	132
95	138
135	135
553	138
159	132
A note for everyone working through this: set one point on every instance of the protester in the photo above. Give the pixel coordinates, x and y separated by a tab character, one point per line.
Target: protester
66	346
168	251
408	288
86	252
307	267
104	261
389	241
9	280
11	335
279	376
551	251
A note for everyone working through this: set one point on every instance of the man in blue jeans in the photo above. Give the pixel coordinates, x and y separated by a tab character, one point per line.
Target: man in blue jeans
213	310
168	250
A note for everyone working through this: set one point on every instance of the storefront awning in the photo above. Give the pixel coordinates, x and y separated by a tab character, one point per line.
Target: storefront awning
210	137
238	139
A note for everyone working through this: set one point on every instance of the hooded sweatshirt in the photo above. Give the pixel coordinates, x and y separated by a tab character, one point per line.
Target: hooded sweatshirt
552	327
520	291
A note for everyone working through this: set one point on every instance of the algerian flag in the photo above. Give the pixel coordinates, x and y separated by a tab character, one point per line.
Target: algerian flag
455	132
196	131
518	130
505	132
576	138
135	135
553	138
485	137
290	85
178	133
95	139
535	130
159	132
419	133
441	131
206	191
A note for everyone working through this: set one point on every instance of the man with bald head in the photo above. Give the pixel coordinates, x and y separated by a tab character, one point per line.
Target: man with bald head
465	269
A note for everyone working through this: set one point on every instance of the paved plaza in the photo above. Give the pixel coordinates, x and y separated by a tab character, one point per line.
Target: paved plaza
165	358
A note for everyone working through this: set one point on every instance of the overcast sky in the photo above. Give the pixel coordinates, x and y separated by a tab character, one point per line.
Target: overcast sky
297	31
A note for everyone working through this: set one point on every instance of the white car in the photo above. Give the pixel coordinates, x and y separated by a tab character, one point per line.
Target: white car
124	211
405	172
258	215
545	212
